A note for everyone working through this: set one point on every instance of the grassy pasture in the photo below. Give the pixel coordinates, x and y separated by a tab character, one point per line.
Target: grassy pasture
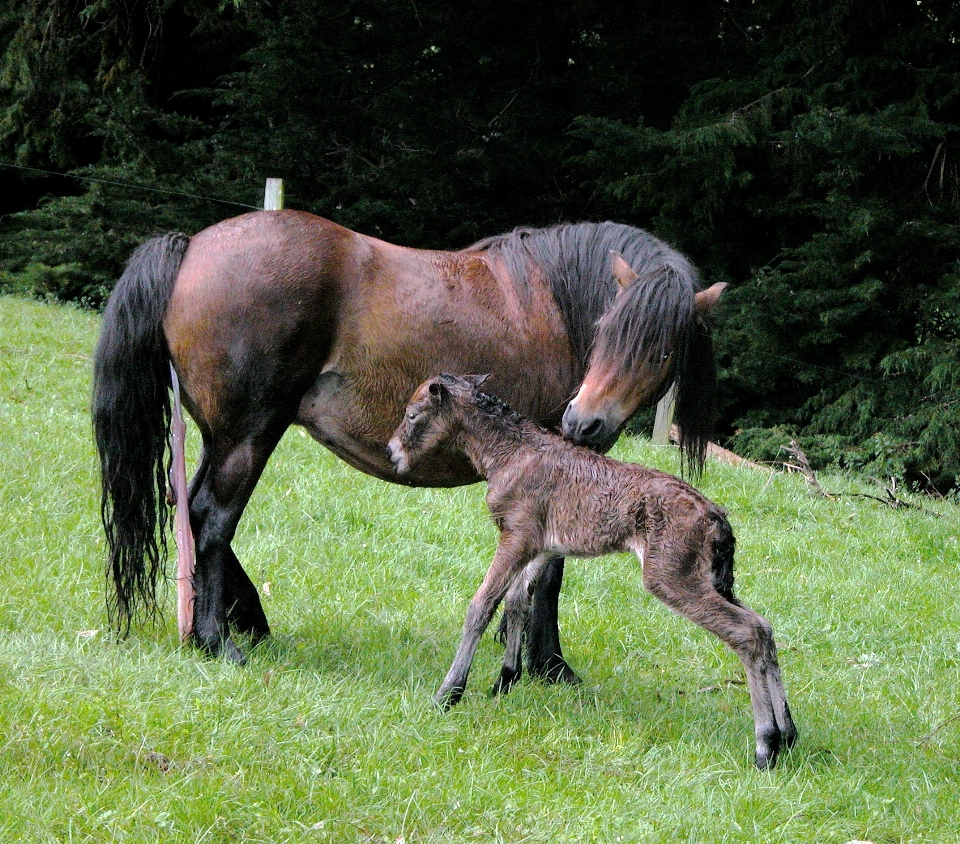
328	733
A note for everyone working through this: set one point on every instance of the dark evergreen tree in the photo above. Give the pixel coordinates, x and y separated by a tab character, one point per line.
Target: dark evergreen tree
805	151
818	174
425	123
92	89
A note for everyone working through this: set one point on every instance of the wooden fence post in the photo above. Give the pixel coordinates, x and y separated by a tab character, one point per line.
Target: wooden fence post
273	195
186	558
664	418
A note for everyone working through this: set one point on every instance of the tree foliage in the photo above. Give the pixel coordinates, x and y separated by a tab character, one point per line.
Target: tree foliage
819	174
803	151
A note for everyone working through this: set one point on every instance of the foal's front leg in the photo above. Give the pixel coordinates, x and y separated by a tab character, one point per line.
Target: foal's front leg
511	555
516	614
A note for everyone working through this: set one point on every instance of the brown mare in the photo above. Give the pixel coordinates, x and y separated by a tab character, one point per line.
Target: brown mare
278	318
550	498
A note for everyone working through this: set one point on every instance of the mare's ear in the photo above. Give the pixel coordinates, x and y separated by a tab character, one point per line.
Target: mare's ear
622	271
477	381
706	299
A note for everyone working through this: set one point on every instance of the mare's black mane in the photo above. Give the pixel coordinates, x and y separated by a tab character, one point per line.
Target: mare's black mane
654	316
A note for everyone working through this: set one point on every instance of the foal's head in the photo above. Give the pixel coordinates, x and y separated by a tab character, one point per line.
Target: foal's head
641	347
430	418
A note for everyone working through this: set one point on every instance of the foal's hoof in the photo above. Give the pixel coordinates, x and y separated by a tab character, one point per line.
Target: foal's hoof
788	730
500	637
504	682
765	759
447	698
768	750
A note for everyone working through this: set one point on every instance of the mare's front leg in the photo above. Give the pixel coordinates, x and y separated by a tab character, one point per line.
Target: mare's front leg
511	555
544	657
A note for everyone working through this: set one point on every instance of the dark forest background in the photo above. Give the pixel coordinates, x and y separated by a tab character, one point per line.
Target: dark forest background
806	152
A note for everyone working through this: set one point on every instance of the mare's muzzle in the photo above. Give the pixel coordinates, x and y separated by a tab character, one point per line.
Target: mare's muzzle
596	432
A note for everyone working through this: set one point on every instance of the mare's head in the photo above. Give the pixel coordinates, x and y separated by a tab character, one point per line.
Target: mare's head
655	333
429	418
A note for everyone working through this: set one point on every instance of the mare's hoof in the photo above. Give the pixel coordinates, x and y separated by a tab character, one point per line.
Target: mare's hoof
232	653
256	636
250	622
224	648
555	670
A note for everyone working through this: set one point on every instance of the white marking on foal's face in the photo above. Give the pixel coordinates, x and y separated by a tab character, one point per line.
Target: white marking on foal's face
414	438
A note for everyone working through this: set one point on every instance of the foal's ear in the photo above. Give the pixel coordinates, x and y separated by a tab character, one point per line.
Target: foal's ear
706	299
477	381
622	271
437	390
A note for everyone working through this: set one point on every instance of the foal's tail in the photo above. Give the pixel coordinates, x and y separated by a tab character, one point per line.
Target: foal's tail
131	423
723	548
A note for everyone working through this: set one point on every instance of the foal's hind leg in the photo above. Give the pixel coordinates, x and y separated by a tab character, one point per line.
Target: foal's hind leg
516	613
686	586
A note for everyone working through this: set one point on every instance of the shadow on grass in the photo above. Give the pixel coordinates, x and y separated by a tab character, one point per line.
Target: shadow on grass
375	649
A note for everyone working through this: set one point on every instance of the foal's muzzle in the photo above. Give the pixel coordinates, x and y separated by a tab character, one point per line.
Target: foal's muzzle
397	456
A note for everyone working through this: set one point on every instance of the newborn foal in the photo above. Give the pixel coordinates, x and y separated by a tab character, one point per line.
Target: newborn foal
550	499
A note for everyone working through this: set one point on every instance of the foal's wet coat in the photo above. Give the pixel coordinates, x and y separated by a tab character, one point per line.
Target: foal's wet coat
551	499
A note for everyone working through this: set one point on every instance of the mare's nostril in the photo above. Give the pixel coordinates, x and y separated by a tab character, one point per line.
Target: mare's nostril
591	430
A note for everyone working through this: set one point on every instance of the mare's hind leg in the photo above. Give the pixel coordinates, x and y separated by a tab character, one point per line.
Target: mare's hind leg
516	613
687	587
544	657
223	590
244	610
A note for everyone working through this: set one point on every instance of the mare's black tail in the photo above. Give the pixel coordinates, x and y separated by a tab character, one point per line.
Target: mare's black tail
131	423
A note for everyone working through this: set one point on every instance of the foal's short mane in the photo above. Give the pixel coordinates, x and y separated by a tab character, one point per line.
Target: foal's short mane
651	319
499	409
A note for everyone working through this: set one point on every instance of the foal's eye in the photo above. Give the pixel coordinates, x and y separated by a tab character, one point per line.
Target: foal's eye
412	416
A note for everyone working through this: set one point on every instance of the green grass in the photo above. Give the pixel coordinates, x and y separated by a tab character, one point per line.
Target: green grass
328	733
